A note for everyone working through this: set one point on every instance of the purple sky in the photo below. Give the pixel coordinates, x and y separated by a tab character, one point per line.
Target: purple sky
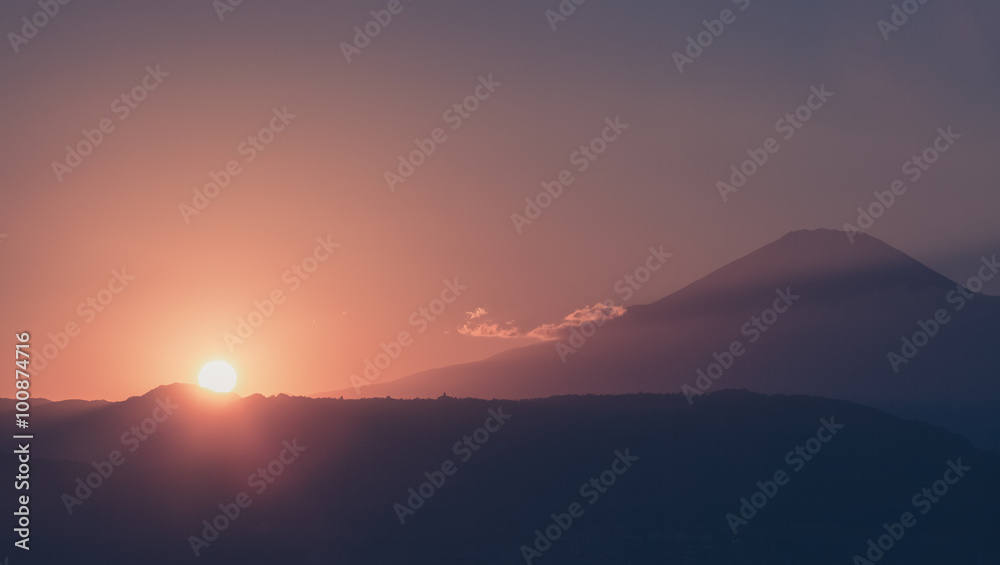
506	103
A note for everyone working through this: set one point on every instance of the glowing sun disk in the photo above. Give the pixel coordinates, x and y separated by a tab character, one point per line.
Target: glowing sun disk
217	376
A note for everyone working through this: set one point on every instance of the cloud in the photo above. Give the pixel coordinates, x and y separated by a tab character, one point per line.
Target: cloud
486	328
593	313
545	332
490	330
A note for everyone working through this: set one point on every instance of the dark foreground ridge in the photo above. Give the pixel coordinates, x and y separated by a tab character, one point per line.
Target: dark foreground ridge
588	479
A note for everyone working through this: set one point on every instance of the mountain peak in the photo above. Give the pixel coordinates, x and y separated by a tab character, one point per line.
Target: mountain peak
824	261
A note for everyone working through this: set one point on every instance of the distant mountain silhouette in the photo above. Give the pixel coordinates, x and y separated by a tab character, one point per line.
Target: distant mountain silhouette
857	301
335	500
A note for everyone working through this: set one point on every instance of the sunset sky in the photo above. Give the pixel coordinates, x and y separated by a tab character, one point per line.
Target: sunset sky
315	196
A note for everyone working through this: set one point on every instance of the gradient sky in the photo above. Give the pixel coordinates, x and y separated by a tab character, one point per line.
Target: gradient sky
323	175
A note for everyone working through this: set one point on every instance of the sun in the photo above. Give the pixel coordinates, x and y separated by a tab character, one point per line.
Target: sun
217	376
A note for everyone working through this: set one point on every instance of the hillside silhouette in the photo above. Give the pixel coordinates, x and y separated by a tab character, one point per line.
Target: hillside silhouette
335	501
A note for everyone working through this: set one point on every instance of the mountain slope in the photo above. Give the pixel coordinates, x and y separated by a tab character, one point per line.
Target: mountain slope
855	304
